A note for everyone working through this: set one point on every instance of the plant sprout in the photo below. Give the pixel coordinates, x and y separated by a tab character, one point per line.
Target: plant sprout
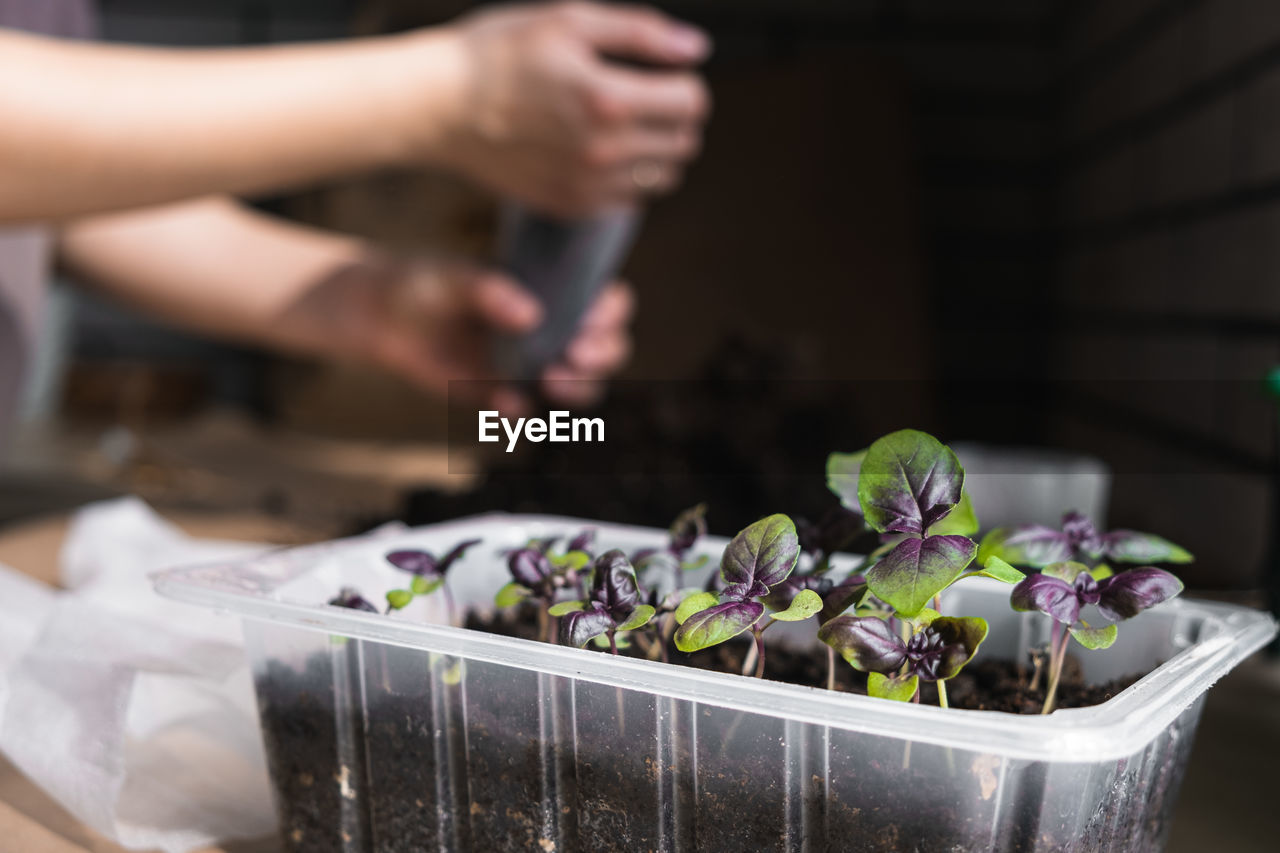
818	542
533	577
429	574
684	533
909	487
1062	589
936	649
350	598
1079	541
756	560
613	605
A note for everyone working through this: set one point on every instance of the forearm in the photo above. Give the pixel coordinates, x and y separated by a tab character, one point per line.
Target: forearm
218	268
90	128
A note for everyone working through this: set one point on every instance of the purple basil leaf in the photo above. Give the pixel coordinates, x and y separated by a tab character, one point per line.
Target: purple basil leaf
908	480
614	584
836	529
916	570
414	561
642	555
1130	546
1127	594
716	624
1036	545
779	597
1083	536
351	598
583	541
744	591
542	545
760	556
529	566
579	627
850	592
867	643
455	553
688	527
1048	595
961	636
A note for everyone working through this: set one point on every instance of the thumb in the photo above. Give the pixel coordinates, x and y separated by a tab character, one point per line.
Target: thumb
640	33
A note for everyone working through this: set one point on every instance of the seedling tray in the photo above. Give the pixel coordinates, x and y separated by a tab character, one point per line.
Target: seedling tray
397	734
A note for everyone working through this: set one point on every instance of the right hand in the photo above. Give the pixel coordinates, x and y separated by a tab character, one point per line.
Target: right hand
545	117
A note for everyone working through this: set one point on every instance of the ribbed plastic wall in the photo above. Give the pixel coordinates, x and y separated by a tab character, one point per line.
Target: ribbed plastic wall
382	748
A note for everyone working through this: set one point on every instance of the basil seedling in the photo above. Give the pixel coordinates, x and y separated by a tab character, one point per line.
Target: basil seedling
756	560
613	604
1078	541
684	533
936	649
909	487
1062	589
351	598
429	575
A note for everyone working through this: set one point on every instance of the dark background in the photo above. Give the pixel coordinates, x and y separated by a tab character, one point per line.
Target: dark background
1030	222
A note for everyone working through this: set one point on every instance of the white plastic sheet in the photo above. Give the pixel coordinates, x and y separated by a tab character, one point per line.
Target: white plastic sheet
134	713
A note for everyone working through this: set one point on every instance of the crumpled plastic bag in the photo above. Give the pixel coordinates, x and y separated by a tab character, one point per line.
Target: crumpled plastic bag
134	712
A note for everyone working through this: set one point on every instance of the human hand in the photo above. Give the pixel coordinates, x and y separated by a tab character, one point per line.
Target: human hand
545	115
436	322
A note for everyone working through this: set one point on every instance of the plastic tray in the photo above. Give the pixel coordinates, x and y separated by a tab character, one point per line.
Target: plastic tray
391	733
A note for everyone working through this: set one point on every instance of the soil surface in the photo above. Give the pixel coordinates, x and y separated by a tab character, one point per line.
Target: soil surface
984	685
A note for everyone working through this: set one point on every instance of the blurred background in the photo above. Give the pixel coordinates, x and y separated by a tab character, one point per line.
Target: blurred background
1047	224
1051	224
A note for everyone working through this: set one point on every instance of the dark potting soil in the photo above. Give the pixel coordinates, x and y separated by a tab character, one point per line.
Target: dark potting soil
373	749
985	685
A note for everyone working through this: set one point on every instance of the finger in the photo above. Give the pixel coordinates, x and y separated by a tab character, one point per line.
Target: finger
677	143
598	353
504	304
638	32
509	402
664	98
565	385
415	361
613	307
642	178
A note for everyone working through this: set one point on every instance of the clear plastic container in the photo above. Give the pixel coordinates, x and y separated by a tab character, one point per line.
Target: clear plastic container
394	734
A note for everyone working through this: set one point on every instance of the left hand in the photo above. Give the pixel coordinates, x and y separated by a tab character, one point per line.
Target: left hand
436	322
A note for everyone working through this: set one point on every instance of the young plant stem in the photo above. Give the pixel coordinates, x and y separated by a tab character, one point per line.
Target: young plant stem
666	628
544	623
648	646
942	703
450	608
1055	667
759	632
613	643
831	668
1037	663
906	750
